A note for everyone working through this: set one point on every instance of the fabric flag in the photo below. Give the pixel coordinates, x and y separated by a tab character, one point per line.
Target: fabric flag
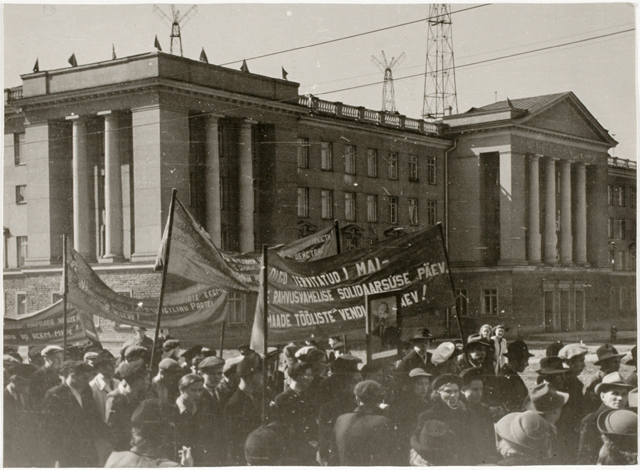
113	52
329	296
203	56
245	67
156	44
46	327
284	74
72	60
36	66
190	307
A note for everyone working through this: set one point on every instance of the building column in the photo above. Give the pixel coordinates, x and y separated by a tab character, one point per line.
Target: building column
212	178
566	236
245	187
550	239
535	255
581	214
82	221
112	188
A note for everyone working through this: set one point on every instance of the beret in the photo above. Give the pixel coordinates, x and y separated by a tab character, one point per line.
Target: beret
210	362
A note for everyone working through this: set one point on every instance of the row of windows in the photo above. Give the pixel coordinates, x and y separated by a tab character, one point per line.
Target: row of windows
350	161
618	196
622	297
350	208
488	302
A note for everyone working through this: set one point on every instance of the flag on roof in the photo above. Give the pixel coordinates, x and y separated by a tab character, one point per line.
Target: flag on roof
73	61
284	74
156	44
244	67
203	57
36	67
113	52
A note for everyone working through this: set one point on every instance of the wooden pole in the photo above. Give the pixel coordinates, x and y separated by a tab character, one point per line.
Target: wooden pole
453	309
336	225
64	296
224	323
165	265
265	327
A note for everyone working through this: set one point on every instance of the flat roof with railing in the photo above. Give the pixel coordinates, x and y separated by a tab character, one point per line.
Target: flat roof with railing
622	163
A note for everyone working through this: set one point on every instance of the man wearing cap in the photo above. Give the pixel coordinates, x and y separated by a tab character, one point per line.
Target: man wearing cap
122	402
35	356
512	388
47	376
419	358
229	382
103	382
613	392
480	416
243	411
170	349
210	369
19	419
140	339
71	421
165	384
573	355
609	362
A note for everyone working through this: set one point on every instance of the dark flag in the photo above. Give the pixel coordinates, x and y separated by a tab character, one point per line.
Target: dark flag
73	61
203	57
156	44
284	74
36	67
244	67
113	52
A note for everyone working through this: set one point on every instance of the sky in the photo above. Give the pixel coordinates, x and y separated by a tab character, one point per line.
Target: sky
601	72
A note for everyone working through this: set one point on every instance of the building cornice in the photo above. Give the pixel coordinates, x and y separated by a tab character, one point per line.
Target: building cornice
104	268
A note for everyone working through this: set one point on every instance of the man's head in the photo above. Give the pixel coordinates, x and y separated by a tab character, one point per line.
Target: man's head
52	357
613	391
315	357
210	369
477	349
250	372
77	374
420	383
608	358
472	385
573	356
104	363
136	354
140	331
20	376
545	400
382	315
301	374
369	393
518	355
191	388
420	340
134	378
447	388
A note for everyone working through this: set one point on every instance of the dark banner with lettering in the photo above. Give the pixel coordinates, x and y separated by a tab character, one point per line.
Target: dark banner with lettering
328	296
47	327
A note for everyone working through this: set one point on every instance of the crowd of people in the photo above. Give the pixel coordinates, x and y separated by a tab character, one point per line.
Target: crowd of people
453	404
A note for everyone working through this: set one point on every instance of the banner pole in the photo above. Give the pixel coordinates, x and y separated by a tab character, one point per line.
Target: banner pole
64	296
454	309
336	225
265	326
165	265
224	323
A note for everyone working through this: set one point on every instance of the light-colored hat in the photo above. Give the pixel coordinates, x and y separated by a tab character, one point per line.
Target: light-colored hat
50	350
443	352
572	350
618	422
526	431
210	362
612	380
417	372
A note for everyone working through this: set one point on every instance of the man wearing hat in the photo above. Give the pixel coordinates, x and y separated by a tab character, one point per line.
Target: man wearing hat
619	430
573	355
103	382
20	422
165	384
524	438
632	378
170	349
444	358
35	356
419	358
139	339
435	445
477	353
229	382
512	388
210	368
613	392
48	375
609	362
71	421
242	413
193	430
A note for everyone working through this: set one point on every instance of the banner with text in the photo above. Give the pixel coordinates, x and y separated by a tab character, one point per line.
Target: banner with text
47	327
327	296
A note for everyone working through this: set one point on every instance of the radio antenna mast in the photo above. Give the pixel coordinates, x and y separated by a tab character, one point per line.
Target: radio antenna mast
176	22
388	93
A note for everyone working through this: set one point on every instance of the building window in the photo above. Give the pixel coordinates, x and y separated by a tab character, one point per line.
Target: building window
413	168
236	314
372	163
21	194
393	166
22	251
490	301
432	212
327	204
303	152
621	196
326	156
619	229
431	170
632	197
462	302
393	210
18	149
351	238
21	303
413	212
612	297
303	202
350	160
223	193
622	297
612	196
610	228
350	206
372	208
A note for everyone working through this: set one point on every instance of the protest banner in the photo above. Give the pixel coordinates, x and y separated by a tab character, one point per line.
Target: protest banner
46	327
328	296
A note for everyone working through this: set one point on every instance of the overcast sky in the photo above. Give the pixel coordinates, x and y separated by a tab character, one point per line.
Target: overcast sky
600	72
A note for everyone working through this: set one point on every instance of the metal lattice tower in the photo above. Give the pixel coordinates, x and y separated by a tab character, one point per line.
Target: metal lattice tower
388	93
175	20
440	95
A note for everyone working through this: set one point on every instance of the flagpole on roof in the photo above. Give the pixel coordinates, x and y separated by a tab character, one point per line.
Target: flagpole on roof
64	296
165	265
265	326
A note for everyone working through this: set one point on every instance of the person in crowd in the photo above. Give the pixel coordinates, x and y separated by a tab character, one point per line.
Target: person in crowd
245	350
554	349
632	377
140	338
444	358
20	421
165	384
549	403
153	439
48	375
477	353
613	392
136	354
619	430
229	382
434	446
343	379
419	358
90	357
513	388
524	438
211	371
275	377
573	356
500	346
365	437
609	362
266	445
212	411
70	419
296	412
122	402
413	399
171	350
317	358
338	348
480	416
35	357
243	411
103	382
553	372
